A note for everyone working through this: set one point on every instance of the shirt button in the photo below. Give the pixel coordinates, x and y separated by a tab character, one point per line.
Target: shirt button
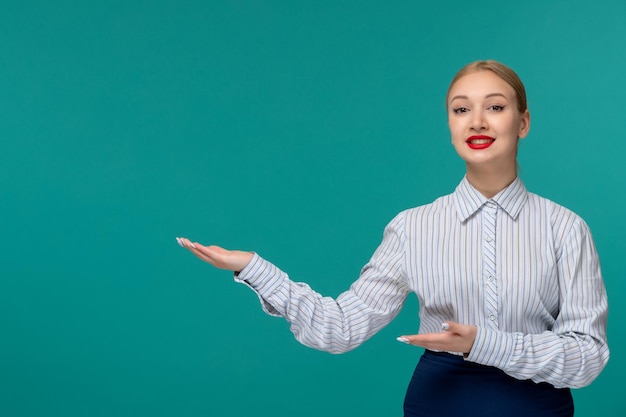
489	238
491	278
492	317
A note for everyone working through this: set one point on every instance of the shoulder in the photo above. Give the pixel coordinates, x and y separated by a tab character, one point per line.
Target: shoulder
562	220
441	203
443	207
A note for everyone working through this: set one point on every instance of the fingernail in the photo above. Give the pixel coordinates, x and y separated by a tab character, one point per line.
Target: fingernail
445	326
192	245
180	243
402	339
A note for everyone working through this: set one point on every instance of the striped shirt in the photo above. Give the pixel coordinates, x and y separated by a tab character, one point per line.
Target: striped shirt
521	268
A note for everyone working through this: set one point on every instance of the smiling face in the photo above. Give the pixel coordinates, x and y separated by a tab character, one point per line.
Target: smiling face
485	122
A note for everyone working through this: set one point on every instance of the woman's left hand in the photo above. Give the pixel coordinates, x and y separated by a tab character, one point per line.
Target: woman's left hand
456	338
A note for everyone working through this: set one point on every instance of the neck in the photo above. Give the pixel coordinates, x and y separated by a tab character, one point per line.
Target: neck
490	182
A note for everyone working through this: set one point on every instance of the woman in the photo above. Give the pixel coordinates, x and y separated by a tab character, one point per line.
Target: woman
513	307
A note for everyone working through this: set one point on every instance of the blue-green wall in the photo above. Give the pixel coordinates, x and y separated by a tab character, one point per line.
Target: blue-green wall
294	128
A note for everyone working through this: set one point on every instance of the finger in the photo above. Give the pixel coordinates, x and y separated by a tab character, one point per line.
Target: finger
453	327
185	243
423	339
200	255
194	248
460	329
409	341
203	253
214	254
458	338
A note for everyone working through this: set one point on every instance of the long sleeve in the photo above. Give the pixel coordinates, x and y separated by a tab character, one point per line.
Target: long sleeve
575	350
521	268
337	325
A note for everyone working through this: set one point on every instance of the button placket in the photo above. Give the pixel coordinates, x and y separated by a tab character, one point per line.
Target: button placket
489	214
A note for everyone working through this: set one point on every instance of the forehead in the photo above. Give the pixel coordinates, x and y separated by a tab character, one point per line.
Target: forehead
480	84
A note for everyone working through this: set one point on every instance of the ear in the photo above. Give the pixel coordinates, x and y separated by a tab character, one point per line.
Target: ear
524	126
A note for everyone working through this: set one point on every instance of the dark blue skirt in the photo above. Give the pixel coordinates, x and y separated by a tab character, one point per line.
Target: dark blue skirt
445	385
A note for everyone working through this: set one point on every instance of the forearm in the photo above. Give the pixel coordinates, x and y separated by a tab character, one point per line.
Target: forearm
564	360
319	322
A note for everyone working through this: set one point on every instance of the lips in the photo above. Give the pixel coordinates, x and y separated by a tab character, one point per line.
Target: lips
480	141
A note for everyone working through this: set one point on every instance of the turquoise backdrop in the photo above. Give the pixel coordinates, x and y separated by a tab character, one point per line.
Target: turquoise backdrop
297	129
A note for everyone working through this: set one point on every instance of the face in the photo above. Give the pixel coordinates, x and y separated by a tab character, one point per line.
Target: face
484	121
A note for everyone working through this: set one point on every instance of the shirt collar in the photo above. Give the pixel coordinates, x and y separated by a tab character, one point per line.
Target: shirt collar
469	200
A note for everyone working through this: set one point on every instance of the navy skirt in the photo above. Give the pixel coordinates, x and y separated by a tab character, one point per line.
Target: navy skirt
445	385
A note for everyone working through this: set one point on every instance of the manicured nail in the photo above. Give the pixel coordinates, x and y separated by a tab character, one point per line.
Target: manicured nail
402	339
192	245
180	243
445	326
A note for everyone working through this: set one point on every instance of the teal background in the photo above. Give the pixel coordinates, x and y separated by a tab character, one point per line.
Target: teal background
295	129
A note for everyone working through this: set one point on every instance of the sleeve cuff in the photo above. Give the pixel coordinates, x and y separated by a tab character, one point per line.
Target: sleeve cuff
264	279
492	348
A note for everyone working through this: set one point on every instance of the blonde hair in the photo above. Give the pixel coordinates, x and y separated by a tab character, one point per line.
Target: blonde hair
502	71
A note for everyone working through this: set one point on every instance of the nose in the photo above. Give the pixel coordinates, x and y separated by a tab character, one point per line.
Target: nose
478	122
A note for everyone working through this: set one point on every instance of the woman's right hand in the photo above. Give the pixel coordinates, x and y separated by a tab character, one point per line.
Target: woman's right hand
232	260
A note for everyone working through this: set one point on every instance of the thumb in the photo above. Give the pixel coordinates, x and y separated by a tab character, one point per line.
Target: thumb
450	326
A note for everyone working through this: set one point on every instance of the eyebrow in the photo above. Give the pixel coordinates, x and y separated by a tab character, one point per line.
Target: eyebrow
487	96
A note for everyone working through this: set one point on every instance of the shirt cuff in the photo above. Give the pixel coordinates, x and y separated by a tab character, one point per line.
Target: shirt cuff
492	348
264	279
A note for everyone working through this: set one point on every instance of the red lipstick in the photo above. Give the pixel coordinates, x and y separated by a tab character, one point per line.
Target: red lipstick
480	141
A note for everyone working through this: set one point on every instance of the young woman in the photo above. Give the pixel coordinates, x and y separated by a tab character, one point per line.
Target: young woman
513	308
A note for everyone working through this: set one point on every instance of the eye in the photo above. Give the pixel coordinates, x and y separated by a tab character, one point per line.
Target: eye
459	110
496	107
